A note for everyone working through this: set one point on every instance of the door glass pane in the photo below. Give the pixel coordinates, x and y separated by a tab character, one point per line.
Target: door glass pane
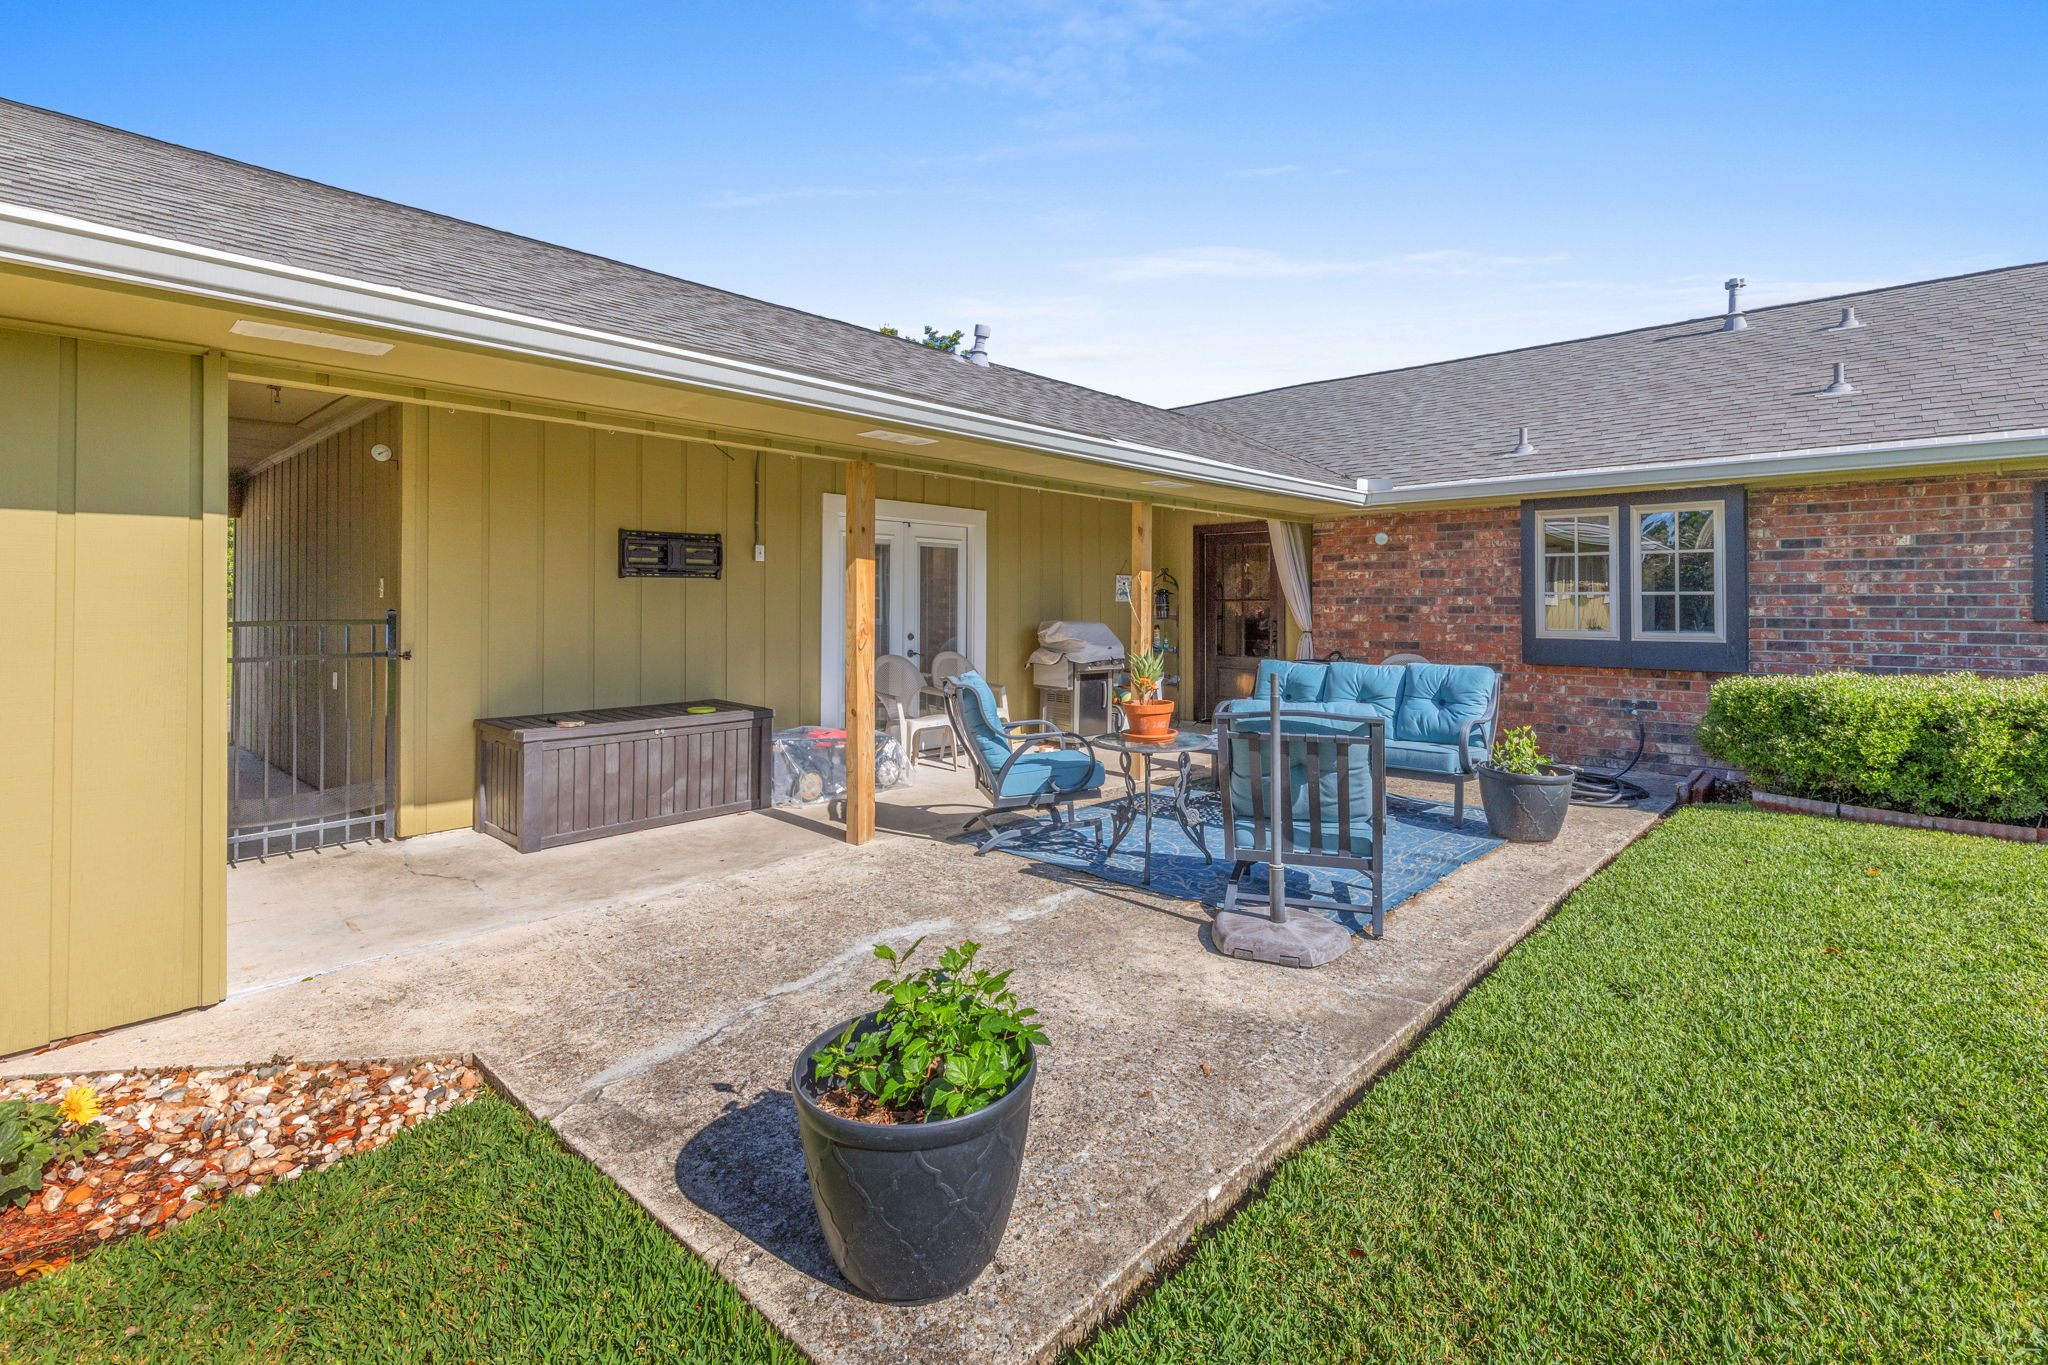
938	613
885	627
1230	627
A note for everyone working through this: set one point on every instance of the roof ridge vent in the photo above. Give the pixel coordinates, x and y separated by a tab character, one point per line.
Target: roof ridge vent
1522	446
1733	321
1848	323
1841	384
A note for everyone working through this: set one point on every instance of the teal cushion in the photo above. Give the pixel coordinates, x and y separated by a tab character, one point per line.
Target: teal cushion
1408	756
1298	681
1376	687
978	708
1308	717
1347	768
1055	770
1359	845
1438	699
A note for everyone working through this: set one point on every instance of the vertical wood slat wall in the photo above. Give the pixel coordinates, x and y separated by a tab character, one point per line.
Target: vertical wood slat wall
113	550
513	605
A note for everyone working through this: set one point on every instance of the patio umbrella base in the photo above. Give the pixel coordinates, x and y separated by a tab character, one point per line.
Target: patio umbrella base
1303	939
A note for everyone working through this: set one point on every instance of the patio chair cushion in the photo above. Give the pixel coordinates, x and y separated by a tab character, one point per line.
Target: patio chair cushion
1428	758
1060	770
1359	845
1352	773
1438	699
979	710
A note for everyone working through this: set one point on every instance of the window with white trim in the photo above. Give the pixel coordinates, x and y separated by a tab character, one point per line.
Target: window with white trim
1578	572
1641	580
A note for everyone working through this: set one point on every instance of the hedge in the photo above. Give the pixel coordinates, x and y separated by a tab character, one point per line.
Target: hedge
1954	744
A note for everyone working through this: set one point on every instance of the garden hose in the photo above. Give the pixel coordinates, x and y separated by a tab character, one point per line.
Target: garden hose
1591	787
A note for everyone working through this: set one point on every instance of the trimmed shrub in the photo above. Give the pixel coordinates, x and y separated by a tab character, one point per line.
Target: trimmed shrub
1955	744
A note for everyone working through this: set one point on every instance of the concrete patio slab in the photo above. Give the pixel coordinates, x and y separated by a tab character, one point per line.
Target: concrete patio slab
657	1038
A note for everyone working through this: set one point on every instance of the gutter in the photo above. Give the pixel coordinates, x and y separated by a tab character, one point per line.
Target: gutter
1817	462
75	246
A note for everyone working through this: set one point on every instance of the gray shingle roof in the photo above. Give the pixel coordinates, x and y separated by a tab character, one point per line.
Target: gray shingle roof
86	170
1948	357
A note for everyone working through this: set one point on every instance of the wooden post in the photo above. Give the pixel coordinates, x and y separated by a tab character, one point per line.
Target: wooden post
860	652
1141	577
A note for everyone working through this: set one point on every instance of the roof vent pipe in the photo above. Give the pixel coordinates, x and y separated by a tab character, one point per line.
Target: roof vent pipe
979	355
1849	320
1522	446
1734	321
1841	384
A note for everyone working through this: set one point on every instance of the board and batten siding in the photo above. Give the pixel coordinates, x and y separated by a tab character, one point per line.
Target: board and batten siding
113	773
512	603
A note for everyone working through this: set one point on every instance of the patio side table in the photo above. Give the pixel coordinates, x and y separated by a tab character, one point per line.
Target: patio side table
1140	803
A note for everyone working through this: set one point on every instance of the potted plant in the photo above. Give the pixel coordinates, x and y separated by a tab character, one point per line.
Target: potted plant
913	1121
1147	715
1526	795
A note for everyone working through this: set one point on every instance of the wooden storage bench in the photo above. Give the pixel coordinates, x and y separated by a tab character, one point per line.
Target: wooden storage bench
540	783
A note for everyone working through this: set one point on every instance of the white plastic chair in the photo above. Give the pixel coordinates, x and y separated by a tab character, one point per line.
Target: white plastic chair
900	694
949	664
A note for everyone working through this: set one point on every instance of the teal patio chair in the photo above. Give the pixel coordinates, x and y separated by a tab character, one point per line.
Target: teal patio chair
1020	765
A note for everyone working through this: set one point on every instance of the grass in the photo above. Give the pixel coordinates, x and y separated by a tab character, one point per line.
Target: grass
474	1237
1768	1088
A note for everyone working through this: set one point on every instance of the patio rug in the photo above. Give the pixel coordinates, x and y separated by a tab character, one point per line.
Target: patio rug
1423	847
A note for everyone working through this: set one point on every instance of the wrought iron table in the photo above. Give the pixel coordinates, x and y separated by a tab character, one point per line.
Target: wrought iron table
1140	801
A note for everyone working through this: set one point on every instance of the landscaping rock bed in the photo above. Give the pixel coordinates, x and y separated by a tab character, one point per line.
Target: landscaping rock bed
178	1140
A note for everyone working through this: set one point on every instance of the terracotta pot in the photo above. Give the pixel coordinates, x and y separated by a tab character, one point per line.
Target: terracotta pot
1148	719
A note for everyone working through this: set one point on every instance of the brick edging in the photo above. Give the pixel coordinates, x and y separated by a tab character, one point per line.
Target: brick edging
1871	815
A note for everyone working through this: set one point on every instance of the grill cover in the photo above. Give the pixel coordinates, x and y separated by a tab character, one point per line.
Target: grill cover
1077	642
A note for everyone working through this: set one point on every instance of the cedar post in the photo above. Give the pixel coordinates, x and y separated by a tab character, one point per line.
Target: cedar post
860	652
1141	577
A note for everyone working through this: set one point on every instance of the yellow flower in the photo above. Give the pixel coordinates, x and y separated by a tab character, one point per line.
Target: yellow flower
80	1105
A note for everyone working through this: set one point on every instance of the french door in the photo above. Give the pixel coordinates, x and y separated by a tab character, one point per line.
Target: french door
920	589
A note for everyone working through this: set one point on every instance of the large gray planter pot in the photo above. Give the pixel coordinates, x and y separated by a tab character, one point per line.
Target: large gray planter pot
1525	808
912	1212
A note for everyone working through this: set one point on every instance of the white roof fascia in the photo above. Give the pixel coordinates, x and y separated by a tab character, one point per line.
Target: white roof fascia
1818	462
50	241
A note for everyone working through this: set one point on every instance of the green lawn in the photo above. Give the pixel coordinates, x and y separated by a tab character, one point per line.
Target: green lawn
1769	1088
471	1238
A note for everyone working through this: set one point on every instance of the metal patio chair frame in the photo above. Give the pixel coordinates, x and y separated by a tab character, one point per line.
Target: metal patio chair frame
1054	805
1255	728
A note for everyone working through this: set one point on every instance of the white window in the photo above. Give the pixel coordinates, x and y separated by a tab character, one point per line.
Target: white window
1578	572
1679	572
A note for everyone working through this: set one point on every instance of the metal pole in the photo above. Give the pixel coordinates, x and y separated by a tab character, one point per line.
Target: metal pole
1282	812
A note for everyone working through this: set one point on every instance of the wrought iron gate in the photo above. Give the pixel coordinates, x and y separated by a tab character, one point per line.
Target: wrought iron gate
312	734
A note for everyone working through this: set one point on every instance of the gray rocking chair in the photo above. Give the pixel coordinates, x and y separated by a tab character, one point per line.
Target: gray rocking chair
1020	765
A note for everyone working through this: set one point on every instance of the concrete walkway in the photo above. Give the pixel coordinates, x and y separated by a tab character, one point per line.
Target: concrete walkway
657	1037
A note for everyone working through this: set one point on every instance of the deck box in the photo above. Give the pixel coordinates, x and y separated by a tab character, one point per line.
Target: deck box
560	778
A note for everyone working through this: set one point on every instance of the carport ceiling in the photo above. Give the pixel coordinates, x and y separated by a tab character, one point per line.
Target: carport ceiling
264	419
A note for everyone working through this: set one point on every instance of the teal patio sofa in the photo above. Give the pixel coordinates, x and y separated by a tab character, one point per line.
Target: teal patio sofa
1440	718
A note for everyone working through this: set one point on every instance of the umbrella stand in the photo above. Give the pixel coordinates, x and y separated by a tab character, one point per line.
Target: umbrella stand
1283	936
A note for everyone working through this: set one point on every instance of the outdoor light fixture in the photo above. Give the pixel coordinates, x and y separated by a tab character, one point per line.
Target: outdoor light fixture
901	438
303	336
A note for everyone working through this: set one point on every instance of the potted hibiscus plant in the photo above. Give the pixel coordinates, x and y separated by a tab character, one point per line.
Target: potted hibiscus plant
1526	795
913	1120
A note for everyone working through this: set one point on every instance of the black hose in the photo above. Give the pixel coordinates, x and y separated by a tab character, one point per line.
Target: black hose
1591	787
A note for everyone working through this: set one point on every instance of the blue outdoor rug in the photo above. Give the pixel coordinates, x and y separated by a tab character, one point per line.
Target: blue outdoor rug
1423	844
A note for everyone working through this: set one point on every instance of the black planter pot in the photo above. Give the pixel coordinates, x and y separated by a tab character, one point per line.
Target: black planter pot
1526	808
912	1212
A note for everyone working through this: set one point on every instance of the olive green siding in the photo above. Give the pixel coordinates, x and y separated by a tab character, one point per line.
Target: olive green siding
113	549
513	603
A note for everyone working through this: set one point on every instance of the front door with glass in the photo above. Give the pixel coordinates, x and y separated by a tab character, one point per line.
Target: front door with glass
920	589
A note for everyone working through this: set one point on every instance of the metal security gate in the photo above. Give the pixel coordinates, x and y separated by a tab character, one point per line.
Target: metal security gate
312	735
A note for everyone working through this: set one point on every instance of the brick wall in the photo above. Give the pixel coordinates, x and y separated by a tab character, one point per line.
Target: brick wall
1920	574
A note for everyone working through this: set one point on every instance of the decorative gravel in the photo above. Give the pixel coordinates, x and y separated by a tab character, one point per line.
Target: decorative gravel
178	1140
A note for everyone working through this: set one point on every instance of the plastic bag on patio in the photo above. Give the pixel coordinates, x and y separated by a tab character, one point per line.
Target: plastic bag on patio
810	765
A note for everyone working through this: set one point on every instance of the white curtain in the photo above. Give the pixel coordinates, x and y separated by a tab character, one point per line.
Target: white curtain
1290	561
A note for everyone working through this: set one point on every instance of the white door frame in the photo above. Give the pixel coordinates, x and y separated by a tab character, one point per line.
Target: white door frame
832	613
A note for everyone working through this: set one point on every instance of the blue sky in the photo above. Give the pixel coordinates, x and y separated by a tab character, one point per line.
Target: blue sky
1171	199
